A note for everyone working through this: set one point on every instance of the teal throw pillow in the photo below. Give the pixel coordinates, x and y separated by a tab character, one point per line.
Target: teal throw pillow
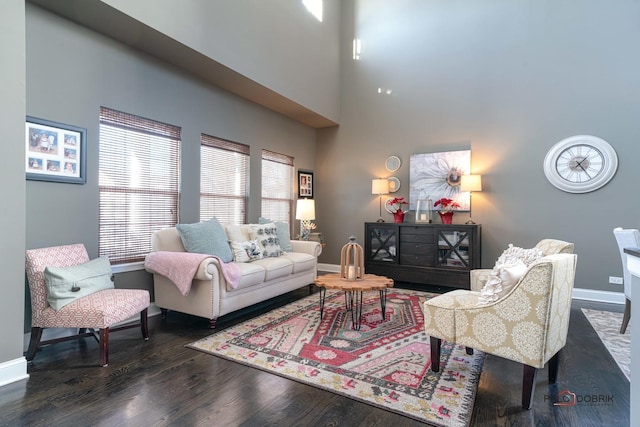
284	234
66	284
207	237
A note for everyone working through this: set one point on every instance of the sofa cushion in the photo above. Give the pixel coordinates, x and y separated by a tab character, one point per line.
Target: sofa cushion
238	233
301	262
252	274
284	233
66	284
207	237
267	237
275	267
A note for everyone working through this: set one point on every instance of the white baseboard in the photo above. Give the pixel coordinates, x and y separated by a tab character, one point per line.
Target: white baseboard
53	333
578	293
598	296
329	268
13	370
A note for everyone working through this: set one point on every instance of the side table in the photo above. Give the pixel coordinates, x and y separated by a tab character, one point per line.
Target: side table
353	290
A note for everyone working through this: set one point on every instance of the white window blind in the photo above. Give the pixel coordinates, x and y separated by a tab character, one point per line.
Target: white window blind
224	180
277	186
139	183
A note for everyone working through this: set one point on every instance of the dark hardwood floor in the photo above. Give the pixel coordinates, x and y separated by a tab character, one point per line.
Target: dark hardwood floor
160	382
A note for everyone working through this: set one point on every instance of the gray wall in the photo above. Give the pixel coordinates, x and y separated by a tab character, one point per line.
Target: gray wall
83	71
12	222
508	79
276	43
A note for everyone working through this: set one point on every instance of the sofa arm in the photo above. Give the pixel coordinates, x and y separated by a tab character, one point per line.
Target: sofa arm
478	278
307	247
207	270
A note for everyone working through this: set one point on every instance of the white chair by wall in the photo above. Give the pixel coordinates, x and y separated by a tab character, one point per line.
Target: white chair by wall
626	238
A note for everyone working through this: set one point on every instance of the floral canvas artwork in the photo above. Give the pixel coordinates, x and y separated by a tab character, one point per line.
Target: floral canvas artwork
437	175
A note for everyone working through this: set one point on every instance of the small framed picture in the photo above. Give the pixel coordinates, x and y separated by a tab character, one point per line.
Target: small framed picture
55	152
305	184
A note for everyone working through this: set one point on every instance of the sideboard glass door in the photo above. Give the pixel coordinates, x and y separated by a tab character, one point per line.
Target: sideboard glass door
382	243
453	248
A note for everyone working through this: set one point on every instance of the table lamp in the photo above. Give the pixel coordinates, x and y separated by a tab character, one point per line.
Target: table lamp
471	183
380	186
305	212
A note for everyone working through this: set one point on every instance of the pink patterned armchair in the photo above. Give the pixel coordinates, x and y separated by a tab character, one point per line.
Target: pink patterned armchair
97	311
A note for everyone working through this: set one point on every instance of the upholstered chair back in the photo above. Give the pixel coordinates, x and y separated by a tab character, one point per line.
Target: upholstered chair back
37	260
626	238
479	277
553	246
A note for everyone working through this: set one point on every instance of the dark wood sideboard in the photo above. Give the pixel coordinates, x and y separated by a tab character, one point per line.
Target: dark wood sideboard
430	254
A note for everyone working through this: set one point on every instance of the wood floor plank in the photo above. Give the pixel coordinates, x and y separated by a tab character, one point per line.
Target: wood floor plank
163	383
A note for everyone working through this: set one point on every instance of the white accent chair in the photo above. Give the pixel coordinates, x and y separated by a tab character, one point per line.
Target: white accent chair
626	238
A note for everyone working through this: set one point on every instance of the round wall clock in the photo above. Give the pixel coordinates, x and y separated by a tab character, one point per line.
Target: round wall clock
580	164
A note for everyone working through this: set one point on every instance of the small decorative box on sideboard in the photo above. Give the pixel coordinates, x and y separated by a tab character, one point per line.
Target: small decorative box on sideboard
430	254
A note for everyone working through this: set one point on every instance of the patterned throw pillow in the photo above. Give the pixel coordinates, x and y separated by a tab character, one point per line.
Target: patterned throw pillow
283	233
267	237
509	268
525	255
246	251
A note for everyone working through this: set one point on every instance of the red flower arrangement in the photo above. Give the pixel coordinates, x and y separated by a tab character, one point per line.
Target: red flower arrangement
447	205
396	203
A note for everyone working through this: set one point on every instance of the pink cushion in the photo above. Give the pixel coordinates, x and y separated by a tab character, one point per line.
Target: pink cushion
101	309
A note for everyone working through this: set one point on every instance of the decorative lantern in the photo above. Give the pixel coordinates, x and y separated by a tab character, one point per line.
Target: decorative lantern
352	261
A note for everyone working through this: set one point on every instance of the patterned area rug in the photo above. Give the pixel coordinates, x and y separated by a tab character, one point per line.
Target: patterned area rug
385	363
607	325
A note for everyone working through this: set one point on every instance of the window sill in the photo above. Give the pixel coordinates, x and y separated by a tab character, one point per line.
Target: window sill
124	268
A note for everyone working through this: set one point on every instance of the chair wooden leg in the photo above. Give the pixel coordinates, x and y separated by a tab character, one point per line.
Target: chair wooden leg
34	343
469	350
528	385
553	368
435	353
104	347
144	323
626	316
163	313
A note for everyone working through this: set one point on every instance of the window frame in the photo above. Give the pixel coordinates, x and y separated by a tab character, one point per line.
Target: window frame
208	142
288	161
131	142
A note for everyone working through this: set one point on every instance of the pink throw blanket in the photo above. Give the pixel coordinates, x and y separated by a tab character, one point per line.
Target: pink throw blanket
181	268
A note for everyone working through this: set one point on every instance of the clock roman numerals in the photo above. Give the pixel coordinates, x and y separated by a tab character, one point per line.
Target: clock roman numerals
579	163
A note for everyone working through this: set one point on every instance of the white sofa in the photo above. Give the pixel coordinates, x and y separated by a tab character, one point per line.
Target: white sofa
211	297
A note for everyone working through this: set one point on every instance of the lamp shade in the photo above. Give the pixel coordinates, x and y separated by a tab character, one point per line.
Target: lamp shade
471	183
380	186
306	209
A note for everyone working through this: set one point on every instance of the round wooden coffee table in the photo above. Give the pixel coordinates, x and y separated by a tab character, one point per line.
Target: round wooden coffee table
353	290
